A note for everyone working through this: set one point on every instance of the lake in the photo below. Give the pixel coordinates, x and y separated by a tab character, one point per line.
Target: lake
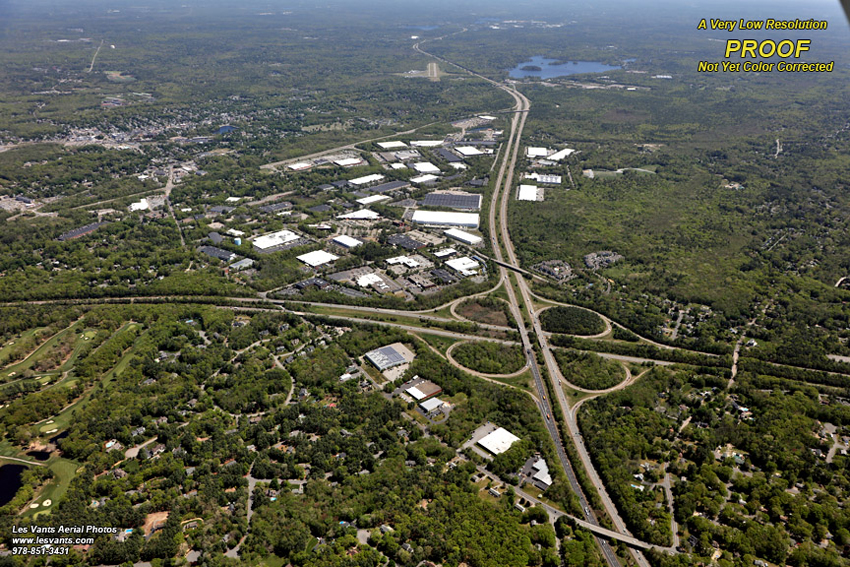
550	71
10	482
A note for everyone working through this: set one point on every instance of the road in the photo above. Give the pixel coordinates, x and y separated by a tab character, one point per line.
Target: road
94	57
502	188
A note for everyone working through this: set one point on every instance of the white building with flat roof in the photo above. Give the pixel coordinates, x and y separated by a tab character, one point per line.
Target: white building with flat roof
362	214
498	441
348	162
367	179
273	239
427	178
468	151
317	258
465	266
441	218
533	152
426	167
300	166
372	199
426	143
558	156
528	193
346	241
393	145
462	236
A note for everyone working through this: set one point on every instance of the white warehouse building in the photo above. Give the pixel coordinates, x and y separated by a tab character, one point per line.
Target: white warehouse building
440	218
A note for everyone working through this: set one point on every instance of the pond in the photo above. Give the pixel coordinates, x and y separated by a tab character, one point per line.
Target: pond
10	482
545	68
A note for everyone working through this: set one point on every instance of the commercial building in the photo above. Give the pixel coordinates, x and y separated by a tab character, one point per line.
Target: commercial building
367	180
272	240
445	252
387	187
432	406
544	178
223	255
426	167
300	166
423	390
558	156
405	242
465	266
468	151
529	193
464	237
426	143
440	218
391	145
372	199
453	200
533	152
386	357
346	241
427	178
362	214
498	441
348	162
82	231
242	264
317	258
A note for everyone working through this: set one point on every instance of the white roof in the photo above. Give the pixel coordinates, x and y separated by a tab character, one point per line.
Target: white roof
233	199
424	178
368	279
542	473
416	393
499	441
544	178
527	193
347	241
234	232
372	199
317	258
458	165
406	260
486	117
464	237
537	152
346	162
465	265
300	165
426	143
140	206
392	145
398	166
445	252
374	178
362	214
275	239
432	404
446	218
558	156
468	151
426	167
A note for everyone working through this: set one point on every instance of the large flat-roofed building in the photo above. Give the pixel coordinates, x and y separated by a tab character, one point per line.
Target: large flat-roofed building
465	266
274	240
529	193
317	258
362	214
346	241
453	200
223	255
393	145
349	162
533	152
423	179
432	406
439	218
423	390
426	167
462	236
372	199
367	180
386	357
387	187
499	441
558	156
426	143
468	151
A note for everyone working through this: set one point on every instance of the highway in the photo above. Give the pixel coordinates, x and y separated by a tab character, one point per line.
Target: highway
502	189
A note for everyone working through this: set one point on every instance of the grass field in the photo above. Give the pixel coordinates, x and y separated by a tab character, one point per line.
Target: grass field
63	419
64	471
39	352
